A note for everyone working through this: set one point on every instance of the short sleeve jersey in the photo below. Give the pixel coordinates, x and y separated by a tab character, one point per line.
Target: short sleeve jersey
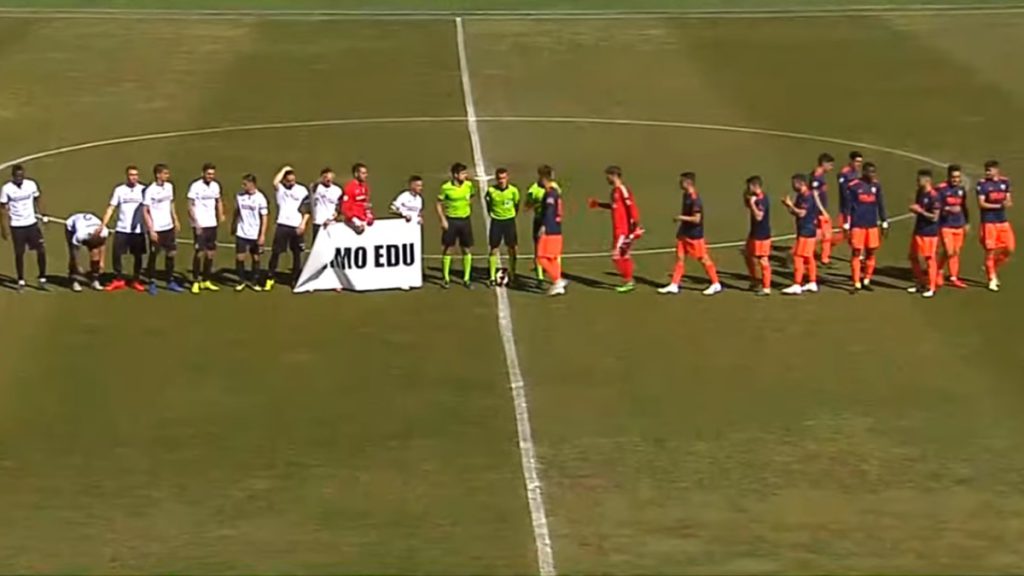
291	200
761	229
806	225
953	201
82	226
20	201
159	198
502	203
552	212
128	201
692	206
204	197
252	208
994	191
927	200
456	199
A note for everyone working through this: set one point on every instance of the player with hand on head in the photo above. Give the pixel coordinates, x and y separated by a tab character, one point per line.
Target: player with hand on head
355	200
954	223
129	234
502	199
292	219
84	229
535	202
759	240
994	197
206	211
19	200
804	207
326	199
163	226
819	188
409	204
250	225
865	221
690	238
454	208
550	243
924	244
626	227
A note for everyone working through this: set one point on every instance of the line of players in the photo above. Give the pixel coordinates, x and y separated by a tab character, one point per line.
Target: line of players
941	211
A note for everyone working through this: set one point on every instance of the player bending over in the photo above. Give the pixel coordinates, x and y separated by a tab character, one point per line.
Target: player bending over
690	238
454	208
502	199
549	244
163	225
865	215
129	235
804	207
954	223
994	197
84	229
250	225
355	200
292	218
759	240
206	210
626	227
924	244
819	188
19	199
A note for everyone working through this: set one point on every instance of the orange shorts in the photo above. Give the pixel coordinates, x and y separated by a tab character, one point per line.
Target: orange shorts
924	246
759	248
865	238
804	247
998	236
825	225
549	246
690	247
953	240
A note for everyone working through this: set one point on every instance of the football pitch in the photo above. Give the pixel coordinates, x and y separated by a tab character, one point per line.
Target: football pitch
502	432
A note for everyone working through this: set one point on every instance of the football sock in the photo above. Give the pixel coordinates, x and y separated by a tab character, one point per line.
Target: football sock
766	273
169	267
711	270
467	267
799	267
446	268
492	266
678	271
869	266
990	266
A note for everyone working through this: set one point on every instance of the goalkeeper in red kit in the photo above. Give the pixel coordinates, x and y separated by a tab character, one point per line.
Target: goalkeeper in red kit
626	227
356	208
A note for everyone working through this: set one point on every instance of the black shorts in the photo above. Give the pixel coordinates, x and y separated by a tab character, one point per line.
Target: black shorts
129	243
30	237
246	246
287	238
166	241
503	231
537	225
206	238
460	231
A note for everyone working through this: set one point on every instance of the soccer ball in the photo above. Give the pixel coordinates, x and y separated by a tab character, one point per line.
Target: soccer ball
501	278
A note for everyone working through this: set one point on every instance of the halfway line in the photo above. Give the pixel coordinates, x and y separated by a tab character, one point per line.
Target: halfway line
527	450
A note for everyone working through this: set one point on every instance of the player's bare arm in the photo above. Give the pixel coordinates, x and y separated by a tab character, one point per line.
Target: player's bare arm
220	210
263	230
108	215
441	217
280	175
821	206
4	221
148	217
174	216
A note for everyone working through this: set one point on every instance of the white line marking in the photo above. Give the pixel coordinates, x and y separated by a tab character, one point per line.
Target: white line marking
527	451
537	119
934	9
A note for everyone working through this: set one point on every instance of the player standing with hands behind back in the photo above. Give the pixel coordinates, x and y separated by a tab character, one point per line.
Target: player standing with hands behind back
454	208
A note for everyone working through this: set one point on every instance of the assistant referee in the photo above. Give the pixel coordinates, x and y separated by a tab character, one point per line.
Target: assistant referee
454	208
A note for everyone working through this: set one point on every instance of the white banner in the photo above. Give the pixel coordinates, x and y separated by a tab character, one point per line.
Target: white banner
387	256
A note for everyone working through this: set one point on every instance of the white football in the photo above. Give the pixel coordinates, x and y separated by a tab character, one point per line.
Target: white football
501	278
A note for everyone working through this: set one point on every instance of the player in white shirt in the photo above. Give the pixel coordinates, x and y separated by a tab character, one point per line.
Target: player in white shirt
206	211
163	226
292	218
326	197
129	232
250	225
409	204
85	229
19	199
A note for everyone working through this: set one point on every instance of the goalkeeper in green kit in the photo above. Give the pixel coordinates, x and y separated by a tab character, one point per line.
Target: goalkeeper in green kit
502	201
454	208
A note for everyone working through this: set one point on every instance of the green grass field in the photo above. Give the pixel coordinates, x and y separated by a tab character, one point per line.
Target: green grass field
376	433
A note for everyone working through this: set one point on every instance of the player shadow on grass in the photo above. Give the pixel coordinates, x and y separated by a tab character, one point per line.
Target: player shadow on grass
8	282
